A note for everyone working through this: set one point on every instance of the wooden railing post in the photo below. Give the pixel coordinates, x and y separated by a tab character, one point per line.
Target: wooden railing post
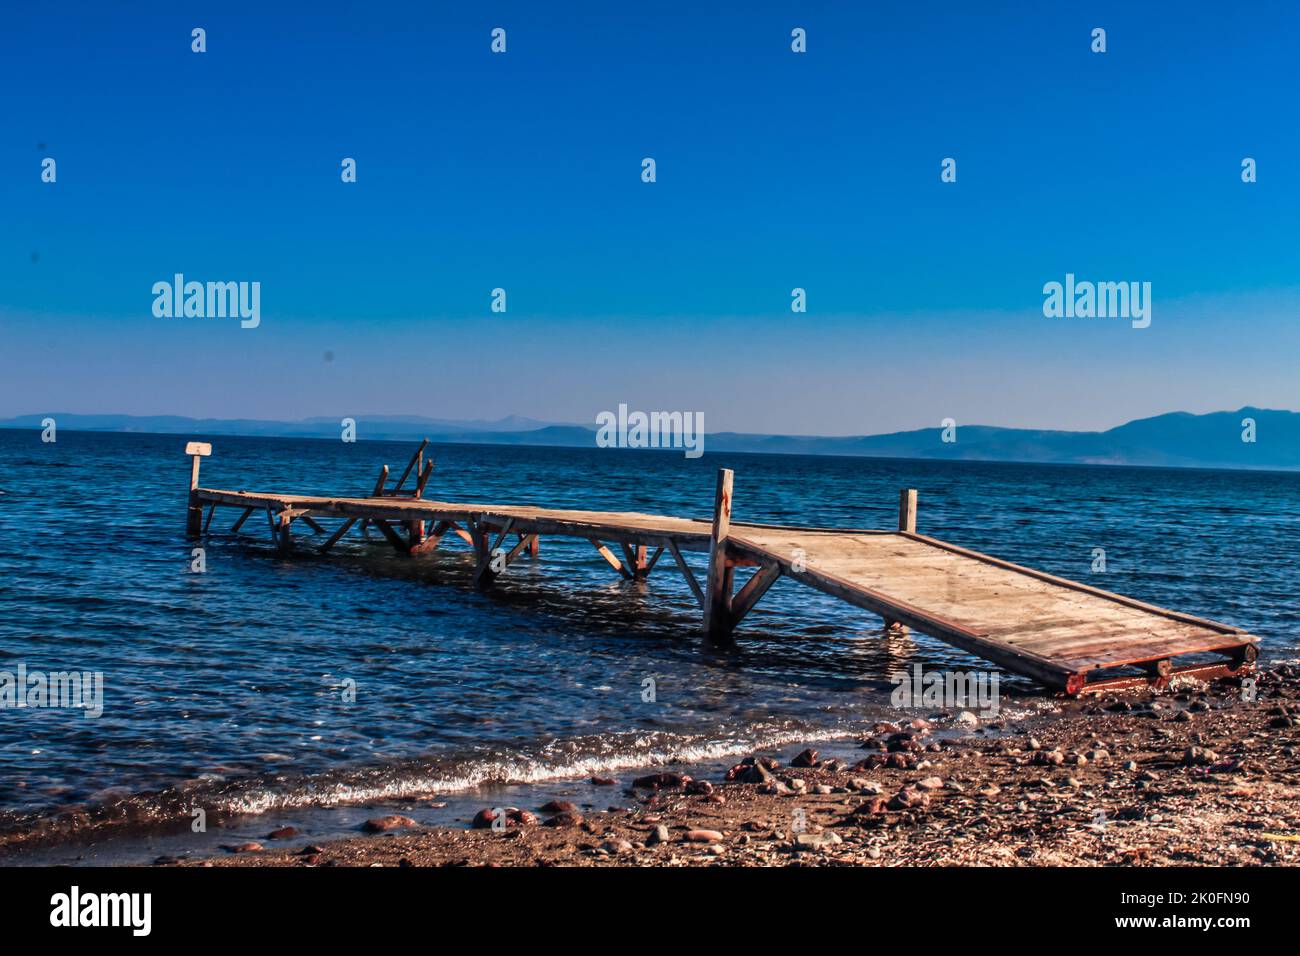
907	523
907	510
197	451
717	601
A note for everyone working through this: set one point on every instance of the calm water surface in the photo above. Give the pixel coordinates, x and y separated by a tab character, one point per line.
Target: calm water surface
226	689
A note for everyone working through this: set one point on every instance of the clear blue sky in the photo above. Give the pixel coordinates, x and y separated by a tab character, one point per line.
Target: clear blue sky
775	170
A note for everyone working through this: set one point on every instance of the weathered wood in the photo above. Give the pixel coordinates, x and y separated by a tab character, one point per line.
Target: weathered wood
338	533
432	539
413	463
717	602
313	524
525	542
501	537
477	538
424	478
754	589
194	512
484	573
690	534
907	510
417	527
629	556
508	557
377	493
212	509
636	561
393	537
1058	631
1085	588
242	518
286	531
608	555
199	449
687	573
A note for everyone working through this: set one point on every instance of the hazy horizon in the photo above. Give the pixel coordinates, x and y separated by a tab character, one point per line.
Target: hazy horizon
363	417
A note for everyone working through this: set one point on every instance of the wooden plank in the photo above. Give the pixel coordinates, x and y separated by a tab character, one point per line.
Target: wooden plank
424	478
477	538
686	571
629	555
194	512
690	534
608	555
240	522
1077	586
484	573
286	534
338	533
419	454
717	601
434	538
754	589
525	541
954	633
907	510
393	537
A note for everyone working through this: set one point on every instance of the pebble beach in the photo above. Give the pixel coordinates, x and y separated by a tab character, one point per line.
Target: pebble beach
1197	775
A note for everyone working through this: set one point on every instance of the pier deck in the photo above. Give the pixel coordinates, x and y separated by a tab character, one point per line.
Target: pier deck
1067	635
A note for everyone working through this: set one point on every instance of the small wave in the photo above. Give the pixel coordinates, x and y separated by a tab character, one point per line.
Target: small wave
222	799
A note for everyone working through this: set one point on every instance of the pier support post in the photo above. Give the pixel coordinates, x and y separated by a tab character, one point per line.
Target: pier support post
907	510
906	524
197	451
284	540
717	601
483	573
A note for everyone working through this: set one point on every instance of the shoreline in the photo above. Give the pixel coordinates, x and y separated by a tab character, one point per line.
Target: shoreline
1195	776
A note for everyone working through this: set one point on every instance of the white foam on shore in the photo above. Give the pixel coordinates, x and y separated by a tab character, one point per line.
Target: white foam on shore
476	773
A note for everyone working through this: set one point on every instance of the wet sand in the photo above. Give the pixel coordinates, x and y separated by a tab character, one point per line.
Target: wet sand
1198	775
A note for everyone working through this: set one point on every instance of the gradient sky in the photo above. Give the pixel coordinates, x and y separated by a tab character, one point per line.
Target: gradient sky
775	170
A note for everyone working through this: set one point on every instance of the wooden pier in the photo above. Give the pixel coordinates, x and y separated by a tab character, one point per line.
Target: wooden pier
1069	636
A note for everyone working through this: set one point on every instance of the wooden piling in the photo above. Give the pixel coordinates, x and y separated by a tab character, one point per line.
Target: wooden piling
197	451
907	525
907	510
717	601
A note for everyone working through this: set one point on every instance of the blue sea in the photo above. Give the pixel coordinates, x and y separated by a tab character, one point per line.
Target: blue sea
313	689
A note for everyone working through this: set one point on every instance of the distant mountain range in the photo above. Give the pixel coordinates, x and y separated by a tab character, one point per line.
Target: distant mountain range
1177	439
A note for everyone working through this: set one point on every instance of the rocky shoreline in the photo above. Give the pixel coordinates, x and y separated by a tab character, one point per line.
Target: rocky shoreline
1199	775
